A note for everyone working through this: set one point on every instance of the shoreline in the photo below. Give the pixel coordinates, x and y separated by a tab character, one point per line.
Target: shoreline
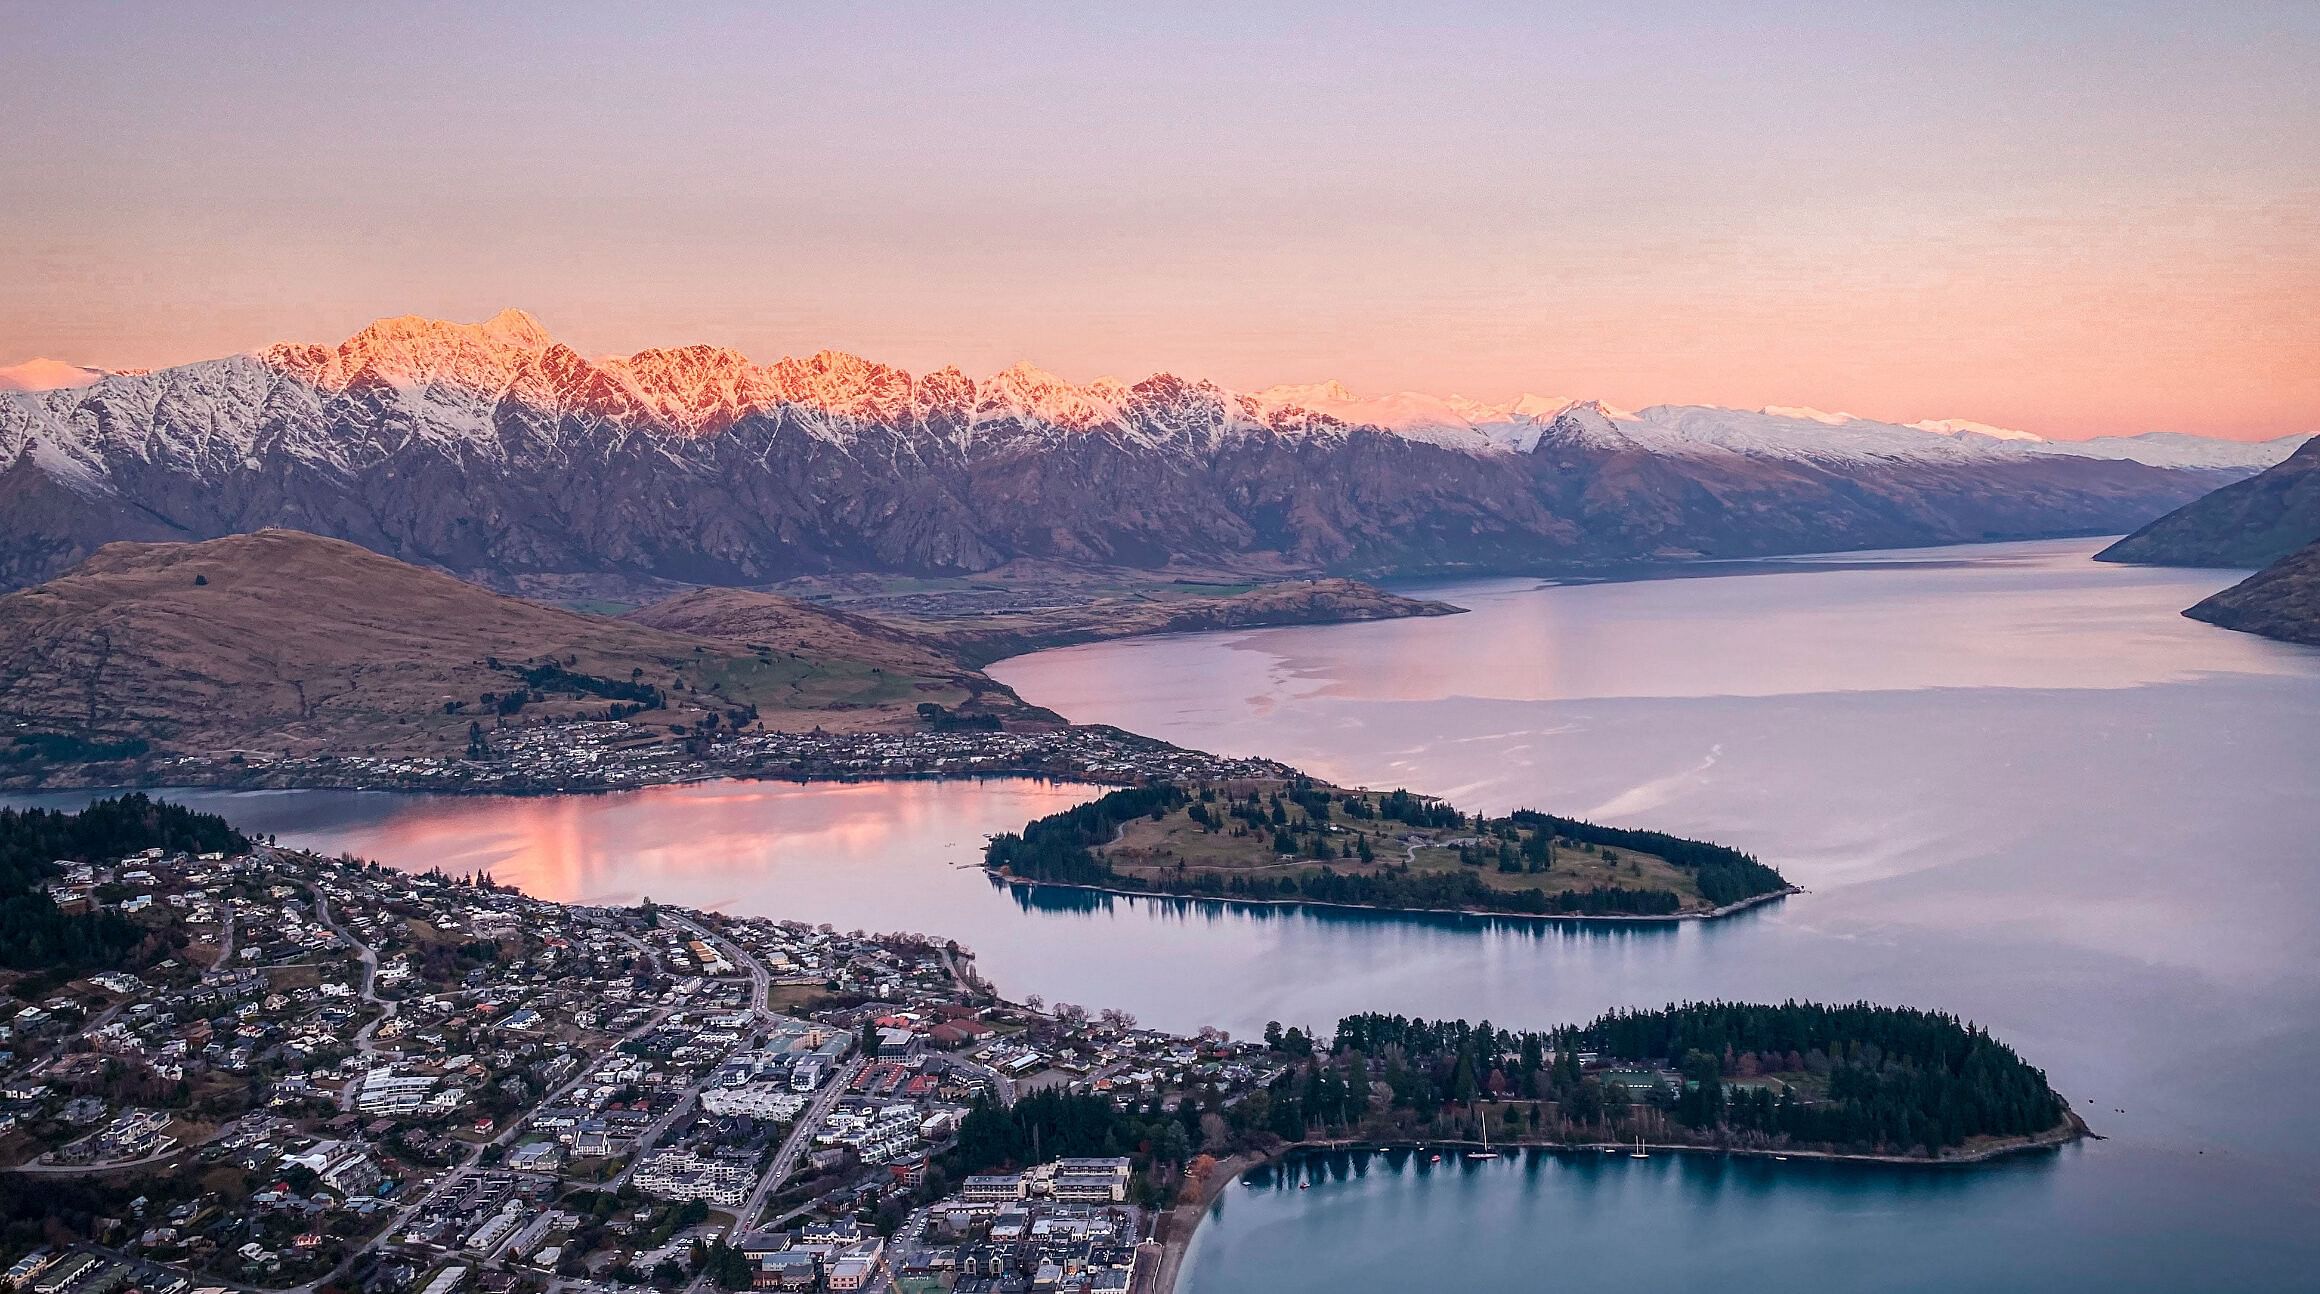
1669	919
157	787
1094	754
1178	1245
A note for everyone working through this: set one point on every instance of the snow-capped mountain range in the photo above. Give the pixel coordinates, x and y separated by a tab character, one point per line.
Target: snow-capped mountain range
493	449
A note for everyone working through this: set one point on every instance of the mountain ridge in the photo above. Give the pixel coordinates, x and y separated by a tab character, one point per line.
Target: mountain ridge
2253	522
495	451
2280	601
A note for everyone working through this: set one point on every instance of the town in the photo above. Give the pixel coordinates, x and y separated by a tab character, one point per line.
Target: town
615	754
348	1078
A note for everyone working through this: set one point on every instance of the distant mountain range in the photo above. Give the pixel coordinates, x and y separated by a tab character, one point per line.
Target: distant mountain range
493	451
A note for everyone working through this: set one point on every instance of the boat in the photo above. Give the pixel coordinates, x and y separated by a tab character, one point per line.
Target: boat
1638	1152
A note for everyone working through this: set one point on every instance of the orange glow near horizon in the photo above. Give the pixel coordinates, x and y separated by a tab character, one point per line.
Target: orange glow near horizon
1902	213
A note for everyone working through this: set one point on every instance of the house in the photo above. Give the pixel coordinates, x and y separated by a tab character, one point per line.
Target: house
954	1034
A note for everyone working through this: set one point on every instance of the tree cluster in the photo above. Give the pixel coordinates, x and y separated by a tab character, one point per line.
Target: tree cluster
1061	847
1857	1078
34	933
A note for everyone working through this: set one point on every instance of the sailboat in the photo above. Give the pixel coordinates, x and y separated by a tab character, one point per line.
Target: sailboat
1637	1153
1486	1152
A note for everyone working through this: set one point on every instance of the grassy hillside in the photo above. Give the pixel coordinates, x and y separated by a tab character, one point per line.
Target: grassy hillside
281	642
1029	606
769	623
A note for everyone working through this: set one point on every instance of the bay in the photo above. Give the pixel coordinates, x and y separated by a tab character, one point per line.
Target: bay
2016	783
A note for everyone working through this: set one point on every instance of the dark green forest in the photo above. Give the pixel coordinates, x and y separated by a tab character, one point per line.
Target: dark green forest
34	934
1857	1078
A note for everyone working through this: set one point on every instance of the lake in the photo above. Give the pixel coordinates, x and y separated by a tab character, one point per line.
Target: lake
2017	784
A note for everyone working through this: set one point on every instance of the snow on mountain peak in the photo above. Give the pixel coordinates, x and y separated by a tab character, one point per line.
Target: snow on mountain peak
466	379
1026	391
1802	413
516	328
1967	427
47	375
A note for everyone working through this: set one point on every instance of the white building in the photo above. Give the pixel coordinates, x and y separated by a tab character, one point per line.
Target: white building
756	1100
386	1092
681	1175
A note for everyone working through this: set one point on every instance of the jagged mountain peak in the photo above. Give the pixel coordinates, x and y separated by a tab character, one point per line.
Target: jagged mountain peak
450	381
510	327
516	328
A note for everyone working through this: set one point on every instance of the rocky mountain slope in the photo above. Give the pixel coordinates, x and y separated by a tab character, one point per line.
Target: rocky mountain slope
2248	523
283	643
2280	601
494	451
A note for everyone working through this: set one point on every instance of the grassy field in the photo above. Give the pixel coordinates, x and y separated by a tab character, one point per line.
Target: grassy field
789	682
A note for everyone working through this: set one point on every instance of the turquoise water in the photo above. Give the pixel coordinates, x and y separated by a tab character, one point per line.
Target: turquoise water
2017	785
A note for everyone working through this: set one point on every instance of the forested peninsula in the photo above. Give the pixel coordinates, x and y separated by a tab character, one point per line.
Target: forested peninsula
1300	840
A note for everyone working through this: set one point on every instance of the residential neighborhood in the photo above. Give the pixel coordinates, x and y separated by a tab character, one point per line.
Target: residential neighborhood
595	755
343	1077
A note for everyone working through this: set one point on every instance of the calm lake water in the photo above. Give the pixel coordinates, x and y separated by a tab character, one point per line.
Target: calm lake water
2017	784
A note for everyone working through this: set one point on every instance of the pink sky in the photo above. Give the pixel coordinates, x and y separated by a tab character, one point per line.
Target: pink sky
2077	222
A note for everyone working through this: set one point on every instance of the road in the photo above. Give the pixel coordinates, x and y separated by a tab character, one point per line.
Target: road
1410	856
785	1161
760	1011
1002	1086
110	1166
225	944
369	958
801	1135
458	1172
760	979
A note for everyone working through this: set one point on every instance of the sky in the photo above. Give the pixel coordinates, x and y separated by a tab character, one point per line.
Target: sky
2074	219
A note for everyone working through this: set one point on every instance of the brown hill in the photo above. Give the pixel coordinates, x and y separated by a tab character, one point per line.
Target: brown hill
980	640
2254	522
286	642
785	624
2280	601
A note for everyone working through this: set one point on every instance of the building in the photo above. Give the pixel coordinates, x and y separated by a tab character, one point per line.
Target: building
789	1269
385	1092
756	1100
681	1175
1088	1181
993	1188
65	1274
